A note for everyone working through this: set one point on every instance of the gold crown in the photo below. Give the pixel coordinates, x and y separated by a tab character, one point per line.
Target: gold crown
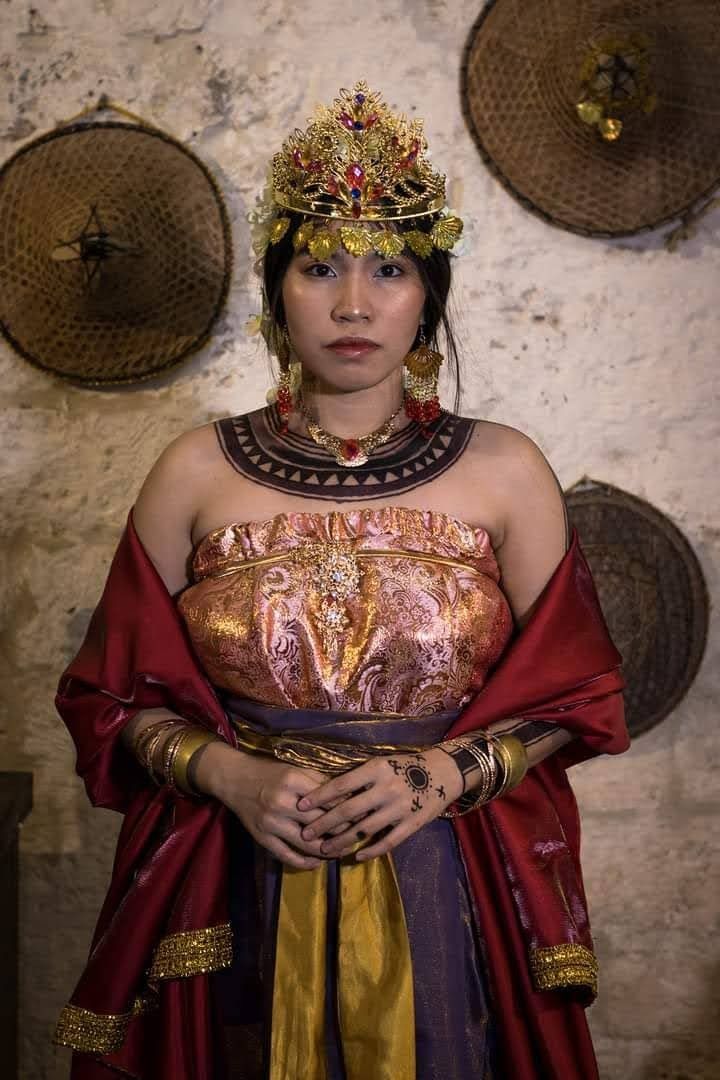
357	160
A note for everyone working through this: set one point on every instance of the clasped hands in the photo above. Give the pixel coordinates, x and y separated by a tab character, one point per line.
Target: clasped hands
383	801
302	817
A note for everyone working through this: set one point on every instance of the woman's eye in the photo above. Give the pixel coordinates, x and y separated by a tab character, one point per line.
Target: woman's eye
319	270
390	270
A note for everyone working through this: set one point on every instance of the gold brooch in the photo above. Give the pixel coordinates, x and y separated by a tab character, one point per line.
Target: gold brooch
335	573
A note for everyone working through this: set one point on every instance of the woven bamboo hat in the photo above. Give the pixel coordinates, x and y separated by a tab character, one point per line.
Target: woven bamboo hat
600	116
652	593
115	252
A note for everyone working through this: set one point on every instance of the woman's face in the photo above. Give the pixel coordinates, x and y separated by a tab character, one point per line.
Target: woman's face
352	320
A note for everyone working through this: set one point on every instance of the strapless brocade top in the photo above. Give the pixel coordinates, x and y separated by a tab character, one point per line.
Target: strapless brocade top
386	610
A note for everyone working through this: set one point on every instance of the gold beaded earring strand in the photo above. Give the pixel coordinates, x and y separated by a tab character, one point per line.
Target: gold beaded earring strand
284	399
421	386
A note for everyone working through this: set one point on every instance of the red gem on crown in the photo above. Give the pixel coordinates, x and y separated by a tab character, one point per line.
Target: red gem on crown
355	175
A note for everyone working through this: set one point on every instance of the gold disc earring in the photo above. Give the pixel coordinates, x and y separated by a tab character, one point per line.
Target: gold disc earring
421	384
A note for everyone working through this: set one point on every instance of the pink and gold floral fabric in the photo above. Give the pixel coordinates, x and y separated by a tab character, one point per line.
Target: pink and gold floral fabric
386	610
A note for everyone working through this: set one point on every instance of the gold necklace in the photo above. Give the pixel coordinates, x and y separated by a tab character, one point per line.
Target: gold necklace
349	452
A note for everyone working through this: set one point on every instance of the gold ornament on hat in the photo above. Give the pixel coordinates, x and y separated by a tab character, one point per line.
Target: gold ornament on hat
615	82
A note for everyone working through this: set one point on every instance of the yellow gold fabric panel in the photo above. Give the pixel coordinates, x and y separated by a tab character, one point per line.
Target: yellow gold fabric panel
375	984
192	952
94	1033
558	967
387	610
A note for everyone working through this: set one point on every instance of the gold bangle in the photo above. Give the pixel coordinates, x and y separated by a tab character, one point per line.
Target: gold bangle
169	751
193	739
479	796
148	752
510	754
145	744
515	762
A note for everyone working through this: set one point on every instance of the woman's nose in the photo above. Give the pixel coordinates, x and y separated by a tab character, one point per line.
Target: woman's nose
352	303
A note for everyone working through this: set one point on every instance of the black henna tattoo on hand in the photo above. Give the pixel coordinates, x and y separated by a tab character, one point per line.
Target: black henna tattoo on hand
417	777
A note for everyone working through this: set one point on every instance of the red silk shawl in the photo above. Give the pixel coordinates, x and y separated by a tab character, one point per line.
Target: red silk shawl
170	871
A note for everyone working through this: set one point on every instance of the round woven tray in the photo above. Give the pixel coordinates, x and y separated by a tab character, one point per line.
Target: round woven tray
652	593
521	81
115	252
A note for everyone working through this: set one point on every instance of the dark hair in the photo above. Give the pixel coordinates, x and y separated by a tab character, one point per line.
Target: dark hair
435	273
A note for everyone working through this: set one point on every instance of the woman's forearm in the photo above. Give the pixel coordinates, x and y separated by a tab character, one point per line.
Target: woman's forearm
491	763
209	766
539	739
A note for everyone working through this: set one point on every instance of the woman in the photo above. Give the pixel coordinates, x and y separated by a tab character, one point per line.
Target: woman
344	824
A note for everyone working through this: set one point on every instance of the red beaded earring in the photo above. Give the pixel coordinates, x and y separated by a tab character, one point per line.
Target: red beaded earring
284	399
421	385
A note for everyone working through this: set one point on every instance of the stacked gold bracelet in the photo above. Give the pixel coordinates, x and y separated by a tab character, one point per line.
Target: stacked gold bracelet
502	762
180	742
192	740
146	744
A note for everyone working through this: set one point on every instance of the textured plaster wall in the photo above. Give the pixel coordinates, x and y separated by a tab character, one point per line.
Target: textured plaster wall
605	353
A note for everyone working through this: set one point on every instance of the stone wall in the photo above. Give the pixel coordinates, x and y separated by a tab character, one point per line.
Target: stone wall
605	353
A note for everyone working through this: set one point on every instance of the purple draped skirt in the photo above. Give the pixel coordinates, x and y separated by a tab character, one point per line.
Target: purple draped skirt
452	1017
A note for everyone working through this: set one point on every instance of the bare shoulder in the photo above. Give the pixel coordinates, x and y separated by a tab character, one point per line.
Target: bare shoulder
168	502
523	486
503	444
512	463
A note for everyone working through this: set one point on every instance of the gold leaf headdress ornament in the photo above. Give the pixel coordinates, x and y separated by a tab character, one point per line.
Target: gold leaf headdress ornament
357	162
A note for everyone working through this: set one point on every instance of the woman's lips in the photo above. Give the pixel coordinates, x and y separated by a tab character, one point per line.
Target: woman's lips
350	347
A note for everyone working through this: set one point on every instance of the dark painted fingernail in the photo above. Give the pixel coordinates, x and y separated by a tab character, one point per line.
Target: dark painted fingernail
360	834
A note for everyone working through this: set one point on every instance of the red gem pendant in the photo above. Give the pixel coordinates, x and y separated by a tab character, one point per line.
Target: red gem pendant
350	454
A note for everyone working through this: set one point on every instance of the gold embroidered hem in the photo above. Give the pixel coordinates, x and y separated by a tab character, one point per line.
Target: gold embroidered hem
192	952
561	966
95	1033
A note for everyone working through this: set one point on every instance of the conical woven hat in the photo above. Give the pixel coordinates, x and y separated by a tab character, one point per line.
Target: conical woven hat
523	73
652	592
115	252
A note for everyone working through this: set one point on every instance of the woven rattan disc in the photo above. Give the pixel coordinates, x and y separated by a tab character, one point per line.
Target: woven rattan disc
652	593
115	252
522	80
